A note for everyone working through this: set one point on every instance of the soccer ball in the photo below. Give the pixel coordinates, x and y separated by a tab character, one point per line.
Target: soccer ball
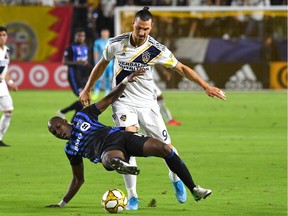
114	201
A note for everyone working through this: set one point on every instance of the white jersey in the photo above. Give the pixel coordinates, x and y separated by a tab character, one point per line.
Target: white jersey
128	59
4	61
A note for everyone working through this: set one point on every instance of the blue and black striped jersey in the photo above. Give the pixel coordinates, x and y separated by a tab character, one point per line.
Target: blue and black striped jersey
88	135
77	52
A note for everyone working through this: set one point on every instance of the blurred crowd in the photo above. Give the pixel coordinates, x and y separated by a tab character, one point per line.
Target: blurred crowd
141	2
94	15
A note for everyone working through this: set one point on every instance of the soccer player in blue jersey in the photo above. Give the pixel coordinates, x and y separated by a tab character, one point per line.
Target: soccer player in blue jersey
99	46
76	58
112	146
137	107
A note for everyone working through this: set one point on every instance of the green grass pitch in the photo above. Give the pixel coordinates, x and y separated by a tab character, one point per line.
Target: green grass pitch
238	148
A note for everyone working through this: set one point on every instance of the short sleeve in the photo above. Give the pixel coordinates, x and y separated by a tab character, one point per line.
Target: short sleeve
108	52
68	53
167	58
92	111
75	160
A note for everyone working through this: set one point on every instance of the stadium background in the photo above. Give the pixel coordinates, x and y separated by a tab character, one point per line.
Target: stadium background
238	147
218	50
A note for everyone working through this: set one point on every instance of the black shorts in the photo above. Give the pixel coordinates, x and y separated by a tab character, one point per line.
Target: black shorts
131	144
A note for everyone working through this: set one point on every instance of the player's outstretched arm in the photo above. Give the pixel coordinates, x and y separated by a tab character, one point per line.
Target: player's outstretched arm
97	71
115	93
76	183
190	74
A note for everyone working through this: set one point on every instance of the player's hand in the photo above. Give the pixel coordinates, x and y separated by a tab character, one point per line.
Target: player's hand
215	92
53	206
84	63
133	77
14	87
85	97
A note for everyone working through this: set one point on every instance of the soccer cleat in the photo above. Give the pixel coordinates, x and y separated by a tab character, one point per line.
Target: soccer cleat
60	114
174	122
122	167
199	193
2	144
180	191
132	204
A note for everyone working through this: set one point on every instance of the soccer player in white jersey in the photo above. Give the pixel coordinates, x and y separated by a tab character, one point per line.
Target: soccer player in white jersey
137	106
6	103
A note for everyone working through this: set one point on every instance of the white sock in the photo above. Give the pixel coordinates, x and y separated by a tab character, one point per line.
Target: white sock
173	177
164	111
131	181
4	124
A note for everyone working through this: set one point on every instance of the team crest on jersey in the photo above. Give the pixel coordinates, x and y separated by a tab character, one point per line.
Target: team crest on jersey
145	56
123	118
84	126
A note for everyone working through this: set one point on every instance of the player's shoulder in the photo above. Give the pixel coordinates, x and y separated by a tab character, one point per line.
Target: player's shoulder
7	48
156	44
70	47
119	38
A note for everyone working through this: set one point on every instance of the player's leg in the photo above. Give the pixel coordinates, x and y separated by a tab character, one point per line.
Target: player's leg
165	112
74	84
147	146
108	77
126	117
97	87
76	105
115	160
175	164
6	106
151	122
154	147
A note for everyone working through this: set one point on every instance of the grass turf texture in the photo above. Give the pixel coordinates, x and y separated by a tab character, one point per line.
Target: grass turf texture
238	148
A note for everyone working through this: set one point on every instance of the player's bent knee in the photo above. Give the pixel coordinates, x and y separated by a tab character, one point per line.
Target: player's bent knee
154	147
166	150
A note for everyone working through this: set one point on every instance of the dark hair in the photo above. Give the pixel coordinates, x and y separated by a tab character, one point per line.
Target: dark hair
77	30
3	29
144	14
105	28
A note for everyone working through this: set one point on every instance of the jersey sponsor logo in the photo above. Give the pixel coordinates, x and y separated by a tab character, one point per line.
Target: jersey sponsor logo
131	66
145	57
123	118
85	126
244	78
78	140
